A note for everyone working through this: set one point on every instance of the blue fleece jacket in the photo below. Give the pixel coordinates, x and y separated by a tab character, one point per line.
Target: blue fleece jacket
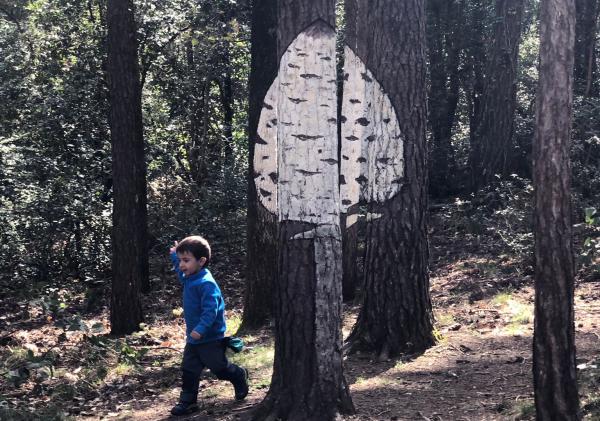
203	305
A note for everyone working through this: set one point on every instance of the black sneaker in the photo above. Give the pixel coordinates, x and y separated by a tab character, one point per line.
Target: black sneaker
241	389
184	408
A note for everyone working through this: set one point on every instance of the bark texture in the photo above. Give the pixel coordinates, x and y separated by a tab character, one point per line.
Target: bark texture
475	59
396	314
129	233
445	25
350	278
555	380
494	129
586	69
262	223
298	130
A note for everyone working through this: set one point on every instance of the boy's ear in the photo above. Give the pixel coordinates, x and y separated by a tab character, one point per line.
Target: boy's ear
202	261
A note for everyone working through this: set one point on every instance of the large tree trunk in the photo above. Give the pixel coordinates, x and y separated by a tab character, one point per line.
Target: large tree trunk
129	234
299	125
555	380
262	224
445	29
585	47
494	129
384	165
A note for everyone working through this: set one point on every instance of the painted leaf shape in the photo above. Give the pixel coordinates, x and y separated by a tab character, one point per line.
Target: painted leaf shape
372	147
295	162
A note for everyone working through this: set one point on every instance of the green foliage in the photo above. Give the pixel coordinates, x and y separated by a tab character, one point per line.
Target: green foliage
585	147
55	159
53	149
22	364
129	354
588	375
503	210
51	413
591	245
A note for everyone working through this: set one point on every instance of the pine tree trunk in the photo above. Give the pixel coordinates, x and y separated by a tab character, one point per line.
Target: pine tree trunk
350	276
473	79
494	129
262	224
555	380
129	234
585	47
445	21
384	165
299	125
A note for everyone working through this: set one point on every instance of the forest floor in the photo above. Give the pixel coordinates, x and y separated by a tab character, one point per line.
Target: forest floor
57	361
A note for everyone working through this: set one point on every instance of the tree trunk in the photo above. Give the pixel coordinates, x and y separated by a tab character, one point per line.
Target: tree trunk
585	47
555	380
262	224
445	27
226	91
129	233
350	278
494	129
473	79
384	165
299	125
197	113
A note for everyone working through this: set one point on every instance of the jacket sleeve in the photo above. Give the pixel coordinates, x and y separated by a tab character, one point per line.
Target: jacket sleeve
210	306
175	261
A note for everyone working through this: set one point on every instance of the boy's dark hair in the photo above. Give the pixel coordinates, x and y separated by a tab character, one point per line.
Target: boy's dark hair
196	245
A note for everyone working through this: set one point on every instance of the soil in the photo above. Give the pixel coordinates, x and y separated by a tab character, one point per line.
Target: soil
480	369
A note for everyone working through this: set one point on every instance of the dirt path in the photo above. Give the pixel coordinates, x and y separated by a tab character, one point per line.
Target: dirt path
480	370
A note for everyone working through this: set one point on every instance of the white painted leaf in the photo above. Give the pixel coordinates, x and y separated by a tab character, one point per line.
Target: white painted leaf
372	164
298	124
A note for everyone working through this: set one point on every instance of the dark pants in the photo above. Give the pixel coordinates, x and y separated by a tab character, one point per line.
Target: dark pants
212	356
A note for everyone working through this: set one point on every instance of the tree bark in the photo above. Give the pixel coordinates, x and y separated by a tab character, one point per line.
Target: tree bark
385	119
197	116
473	79
494	130
350	276
129	233
555	380
226	91
585	47
298	124
262	224
445	28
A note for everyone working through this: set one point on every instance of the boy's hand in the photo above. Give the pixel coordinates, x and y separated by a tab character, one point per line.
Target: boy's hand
172	249
195	335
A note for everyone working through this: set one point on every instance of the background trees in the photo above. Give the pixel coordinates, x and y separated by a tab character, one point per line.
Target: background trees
492	140
554	339
56	184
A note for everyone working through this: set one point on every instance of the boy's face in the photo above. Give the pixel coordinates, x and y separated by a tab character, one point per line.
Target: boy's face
188	264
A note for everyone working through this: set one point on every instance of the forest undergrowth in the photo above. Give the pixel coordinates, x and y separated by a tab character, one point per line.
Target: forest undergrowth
58	361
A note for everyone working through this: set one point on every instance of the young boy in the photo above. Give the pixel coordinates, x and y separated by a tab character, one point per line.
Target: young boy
204	313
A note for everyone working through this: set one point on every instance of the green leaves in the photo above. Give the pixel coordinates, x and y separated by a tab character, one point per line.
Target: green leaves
591	216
